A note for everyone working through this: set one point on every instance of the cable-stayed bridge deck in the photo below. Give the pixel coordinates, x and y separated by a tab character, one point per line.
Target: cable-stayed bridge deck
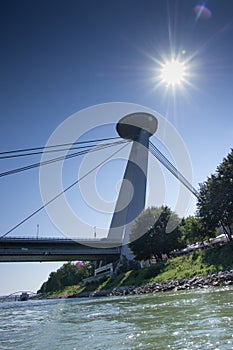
136	128
29	249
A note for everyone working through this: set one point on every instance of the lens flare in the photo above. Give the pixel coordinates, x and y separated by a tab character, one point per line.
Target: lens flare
202	12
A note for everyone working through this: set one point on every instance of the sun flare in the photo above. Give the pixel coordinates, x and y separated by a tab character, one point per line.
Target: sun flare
173	72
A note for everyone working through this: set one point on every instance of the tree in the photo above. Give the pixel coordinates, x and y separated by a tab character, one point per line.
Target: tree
52	284
151	236
215	200
67	275
225	183
192	230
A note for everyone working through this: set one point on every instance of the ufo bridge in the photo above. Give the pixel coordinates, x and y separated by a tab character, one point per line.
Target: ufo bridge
136	128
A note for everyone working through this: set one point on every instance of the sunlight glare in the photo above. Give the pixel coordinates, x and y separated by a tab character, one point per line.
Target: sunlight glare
173	72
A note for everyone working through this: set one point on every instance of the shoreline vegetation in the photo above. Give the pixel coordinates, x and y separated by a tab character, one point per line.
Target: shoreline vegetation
212	267
206	265
221	279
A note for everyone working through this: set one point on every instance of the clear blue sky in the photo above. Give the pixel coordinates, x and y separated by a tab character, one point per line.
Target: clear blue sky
58	57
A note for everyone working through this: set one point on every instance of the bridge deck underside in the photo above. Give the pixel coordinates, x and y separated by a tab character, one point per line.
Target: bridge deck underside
16	250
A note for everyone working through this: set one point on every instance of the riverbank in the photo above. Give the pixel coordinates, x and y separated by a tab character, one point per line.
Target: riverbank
222	279
200	269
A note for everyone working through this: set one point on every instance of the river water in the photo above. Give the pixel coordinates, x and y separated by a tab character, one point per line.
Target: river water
197	319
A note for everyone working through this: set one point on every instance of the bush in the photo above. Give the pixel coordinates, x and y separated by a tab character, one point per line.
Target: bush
127	265
154	270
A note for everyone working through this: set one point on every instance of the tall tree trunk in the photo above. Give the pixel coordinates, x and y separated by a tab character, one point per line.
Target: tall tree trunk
228	234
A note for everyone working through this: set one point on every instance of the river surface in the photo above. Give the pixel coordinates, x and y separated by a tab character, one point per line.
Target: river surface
197	319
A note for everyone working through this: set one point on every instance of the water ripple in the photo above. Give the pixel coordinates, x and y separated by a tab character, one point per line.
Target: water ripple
183	320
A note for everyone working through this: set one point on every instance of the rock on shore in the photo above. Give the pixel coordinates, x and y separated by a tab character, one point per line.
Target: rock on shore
214	280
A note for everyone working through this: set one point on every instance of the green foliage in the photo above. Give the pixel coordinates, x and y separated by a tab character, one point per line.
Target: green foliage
66	291
136	277
192	230
221	256
118	280
185	267
199	263
67	275
155	232
127	265
144	222
215	200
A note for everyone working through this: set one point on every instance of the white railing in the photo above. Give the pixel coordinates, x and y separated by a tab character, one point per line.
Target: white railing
104	270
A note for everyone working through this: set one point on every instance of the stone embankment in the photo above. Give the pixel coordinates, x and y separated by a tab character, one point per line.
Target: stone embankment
214	280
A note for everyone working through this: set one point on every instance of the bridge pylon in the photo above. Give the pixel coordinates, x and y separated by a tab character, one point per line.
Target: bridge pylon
137	127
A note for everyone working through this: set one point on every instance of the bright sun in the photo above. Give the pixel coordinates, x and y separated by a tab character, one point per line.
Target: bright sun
173	72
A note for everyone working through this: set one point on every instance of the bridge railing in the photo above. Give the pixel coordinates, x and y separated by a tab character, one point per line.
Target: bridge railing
51	238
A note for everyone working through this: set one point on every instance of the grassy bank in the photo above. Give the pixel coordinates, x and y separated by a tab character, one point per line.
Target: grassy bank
199	263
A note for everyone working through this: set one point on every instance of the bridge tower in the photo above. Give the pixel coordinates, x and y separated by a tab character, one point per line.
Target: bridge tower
137	127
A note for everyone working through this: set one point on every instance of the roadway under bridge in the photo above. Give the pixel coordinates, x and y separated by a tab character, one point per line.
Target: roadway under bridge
55	249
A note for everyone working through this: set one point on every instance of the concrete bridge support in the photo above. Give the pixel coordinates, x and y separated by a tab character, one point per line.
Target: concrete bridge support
138	127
